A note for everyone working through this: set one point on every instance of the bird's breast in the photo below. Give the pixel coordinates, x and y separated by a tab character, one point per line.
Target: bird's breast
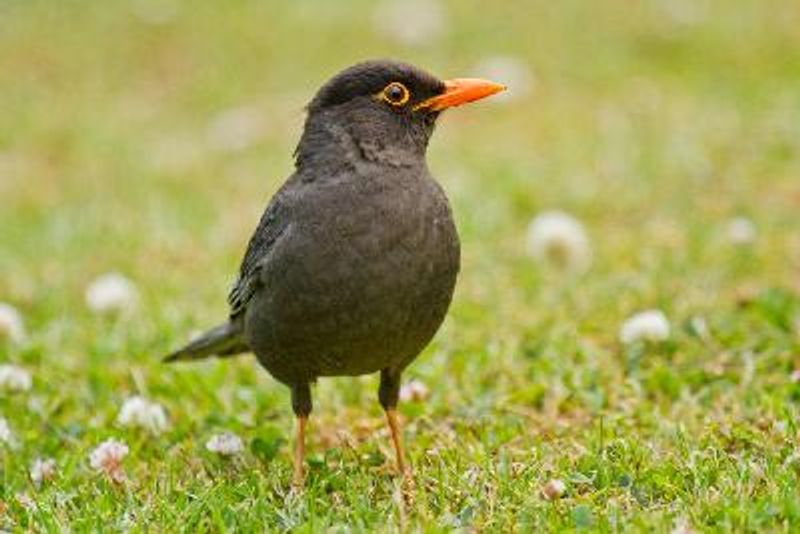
365	281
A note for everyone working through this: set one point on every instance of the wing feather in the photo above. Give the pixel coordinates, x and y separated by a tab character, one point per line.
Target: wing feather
272	224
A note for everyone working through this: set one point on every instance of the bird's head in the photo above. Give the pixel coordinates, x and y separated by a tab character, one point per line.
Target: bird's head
386	103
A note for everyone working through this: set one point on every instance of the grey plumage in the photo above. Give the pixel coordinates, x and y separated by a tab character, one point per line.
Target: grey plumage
353	263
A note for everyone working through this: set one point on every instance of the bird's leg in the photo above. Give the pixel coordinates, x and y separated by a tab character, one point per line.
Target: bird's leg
299	451
389	394
397	440
301	405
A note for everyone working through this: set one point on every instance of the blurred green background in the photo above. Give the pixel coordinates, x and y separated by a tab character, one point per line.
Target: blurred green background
145	137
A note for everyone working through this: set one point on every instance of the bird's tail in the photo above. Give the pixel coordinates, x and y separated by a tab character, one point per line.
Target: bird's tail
223	340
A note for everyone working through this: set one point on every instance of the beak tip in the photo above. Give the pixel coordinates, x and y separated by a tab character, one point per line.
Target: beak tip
462	91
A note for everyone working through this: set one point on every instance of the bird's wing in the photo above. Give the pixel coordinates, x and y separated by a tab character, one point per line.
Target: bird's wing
272	224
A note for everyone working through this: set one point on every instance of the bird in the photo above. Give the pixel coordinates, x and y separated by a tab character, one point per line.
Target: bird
353	264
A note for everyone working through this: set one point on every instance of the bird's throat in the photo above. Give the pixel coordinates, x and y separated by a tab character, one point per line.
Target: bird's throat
360	135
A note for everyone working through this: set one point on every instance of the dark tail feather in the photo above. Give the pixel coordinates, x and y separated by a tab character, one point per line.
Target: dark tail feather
222	340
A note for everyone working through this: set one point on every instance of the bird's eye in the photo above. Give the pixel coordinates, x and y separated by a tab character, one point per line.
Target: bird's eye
395	94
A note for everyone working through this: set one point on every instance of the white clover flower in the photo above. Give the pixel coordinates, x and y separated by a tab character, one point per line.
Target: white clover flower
235	129
699	326
650	325
554	489
558	238
107	458
139	412
14	378
11	324
42	470
415	391
410	22
6	436
111	292
225	444
741	231
511	71
26	502
795	376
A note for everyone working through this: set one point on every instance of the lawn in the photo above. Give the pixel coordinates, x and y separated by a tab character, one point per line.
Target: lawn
144	138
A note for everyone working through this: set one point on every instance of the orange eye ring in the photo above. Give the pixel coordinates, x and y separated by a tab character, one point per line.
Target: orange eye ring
396	94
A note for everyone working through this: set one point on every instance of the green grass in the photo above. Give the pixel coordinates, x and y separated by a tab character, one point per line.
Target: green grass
653	124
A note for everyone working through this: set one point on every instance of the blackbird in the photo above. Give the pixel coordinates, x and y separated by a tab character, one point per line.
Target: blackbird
354	261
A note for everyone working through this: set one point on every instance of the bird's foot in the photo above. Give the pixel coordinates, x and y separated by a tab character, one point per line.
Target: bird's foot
298	480
408	488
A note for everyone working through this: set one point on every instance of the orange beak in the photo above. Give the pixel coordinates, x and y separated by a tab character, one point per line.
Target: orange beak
461	91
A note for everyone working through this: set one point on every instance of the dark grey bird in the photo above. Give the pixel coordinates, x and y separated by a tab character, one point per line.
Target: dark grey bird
353	264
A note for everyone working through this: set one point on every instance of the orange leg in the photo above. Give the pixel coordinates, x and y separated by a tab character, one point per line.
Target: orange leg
397	440
299	451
